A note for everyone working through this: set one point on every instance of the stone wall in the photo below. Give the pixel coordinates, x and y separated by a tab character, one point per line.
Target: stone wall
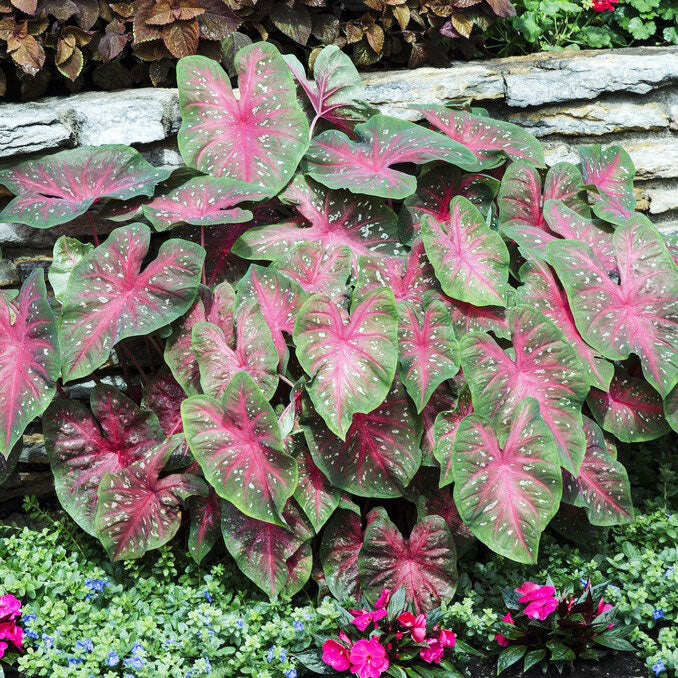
627	97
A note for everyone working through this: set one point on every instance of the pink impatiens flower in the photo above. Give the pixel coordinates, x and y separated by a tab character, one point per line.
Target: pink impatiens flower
10	607
447	638
383	599
508	618
363	618
603	607
3	647
416	625
433	654
539	598
368	659
501	640
15	634
336	655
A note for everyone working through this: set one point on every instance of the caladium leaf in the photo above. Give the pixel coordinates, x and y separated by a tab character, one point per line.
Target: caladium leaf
82	446
236	440
428	352
138	511
425	564
469	318
67	253
204	525
489	140
507	487
250	350
108	297
299	568
258	138
631	409
331	218
602	486
280	300
316	269
671	409
470	260
445	433
57	188
542	291
365	165
262	550
336	88
315	494
441	400
435	190
8	465
639	314
203	201
163	396
29	359
545	367
380	454
339	550
611	171
351	359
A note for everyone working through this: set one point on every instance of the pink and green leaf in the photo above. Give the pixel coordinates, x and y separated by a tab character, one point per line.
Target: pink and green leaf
204	524
351	358
66	255
470	260
425	565
469	318
445	433
236	440
258	138
108	297
366	165
299	568
29	359
57	188
545	366
315	494
671	409
441	400
507	487
637	315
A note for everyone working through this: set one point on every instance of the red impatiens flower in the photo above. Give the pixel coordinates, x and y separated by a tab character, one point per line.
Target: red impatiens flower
508	618
501	640
383	599
539	598
363	618
416	625
604	5
336	655
433	654
368	659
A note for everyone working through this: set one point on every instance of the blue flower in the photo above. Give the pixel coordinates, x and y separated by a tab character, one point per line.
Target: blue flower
208	596
112	659
97	585
668	572
658	614
31	634
74	662
48	642
269	656
208	666
136	648
582	581
134	662
85	644
240	623
292	673
28	619
299	626
658	667
283	656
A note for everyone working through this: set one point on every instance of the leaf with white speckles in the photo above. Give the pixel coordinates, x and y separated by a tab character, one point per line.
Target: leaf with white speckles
441	400
57	188
316	495
365	165
203	201
66	255
491	141
631	409
470	318
545	367
507	487
428	351
332	218
83	445
470	259
204	524
425	564
351	359
611	171
299	568
236	440
637	315
258	138
29	359
262	550
445	432
602	486
137	510
380	454
671	408
108	297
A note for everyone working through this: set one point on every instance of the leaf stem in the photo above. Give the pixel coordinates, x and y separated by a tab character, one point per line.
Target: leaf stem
286	380
202	244
92	228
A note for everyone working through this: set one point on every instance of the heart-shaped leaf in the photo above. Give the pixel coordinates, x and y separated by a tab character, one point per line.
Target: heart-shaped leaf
299	568
138	511
203	201
351	359
545	367
602	486
611	171
163	396
541	290
445	433
380	454
441	400
332	218
469	318
425	565
82	446
55	189
428	351
315	494
639	314
470	259
631	409
262	550
66	255
108	297
29	359
236	440
365	165
258	138
489	140
204	524
507	487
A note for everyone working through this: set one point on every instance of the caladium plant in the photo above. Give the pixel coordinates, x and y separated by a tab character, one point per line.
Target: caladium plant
402	340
